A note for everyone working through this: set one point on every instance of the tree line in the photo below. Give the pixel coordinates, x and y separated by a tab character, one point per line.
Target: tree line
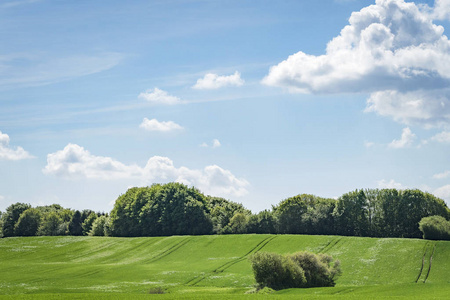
176	209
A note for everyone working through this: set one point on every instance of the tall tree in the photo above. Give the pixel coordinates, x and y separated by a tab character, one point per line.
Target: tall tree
11	216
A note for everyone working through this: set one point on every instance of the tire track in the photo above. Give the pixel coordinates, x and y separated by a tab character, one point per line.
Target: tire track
429	266
168	251
330	245
227	265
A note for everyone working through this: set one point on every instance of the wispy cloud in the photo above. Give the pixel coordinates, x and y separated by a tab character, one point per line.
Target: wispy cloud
213	81
443	137
391	184
214	144
76	162
442	175
9	153
406	139
155	125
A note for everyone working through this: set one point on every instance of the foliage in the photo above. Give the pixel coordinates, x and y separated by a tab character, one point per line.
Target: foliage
169	209
88	222
221	212
51	224
299	270
276	271
28	222
98	226
75	227
263	222
320	270
435	228
11	216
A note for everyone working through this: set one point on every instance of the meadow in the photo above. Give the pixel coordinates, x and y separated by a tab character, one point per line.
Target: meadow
214	267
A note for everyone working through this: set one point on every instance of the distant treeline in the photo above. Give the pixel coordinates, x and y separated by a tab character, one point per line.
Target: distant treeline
175	209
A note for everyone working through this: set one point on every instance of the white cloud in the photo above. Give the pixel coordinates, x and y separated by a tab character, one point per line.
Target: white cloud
440	11
384	184
443	137
443	192
406	140
391	49
369	144
442	175
9	153
157	96
214	81
155	125
214	144
76	162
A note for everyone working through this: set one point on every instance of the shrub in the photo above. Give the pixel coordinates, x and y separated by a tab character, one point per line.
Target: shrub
319	270
299	270
276	271
435	228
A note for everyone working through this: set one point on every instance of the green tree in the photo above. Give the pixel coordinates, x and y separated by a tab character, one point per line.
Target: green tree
51	224
435	228
75	224
351	213
289	214
98	226
11	216
221	212
88	222
28	223
263	222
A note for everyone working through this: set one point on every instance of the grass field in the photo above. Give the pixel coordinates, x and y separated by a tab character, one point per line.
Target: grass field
214	267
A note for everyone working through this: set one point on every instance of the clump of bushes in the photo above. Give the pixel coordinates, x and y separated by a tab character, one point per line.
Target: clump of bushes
298	270
435	228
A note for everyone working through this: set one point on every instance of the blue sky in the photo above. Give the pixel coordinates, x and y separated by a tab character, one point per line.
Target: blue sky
254	101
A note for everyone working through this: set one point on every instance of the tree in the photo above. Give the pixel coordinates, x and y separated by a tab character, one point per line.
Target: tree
28	223
238	223
51	225
351	213
11	216
88	222
221	212
75	224
98	226
263	222
289	214
169	209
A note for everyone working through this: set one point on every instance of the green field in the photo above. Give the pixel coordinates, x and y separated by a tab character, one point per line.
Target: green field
214	267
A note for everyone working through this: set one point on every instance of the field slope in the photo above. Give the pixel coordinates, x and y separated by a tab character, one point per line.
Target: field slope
214	266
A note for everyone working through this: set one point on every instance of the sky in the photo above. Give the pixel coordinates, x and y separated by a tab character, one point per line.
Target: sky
253	101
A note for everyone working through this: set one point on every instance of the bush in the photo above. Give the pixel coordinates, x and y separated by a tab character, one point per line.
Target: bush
276	271
435	228
299	270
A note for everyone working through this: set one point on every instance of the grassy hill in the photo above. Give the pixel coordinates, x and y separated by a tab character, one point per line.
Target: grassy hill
214	266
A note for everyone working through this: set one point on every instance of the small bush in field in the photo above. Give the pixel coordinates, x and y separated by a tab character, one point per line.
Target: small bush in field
157	290
298	270
435	228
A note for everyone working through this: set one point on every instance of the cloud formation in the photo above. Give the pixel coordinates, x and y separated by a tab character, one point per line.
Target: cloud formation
442	175
443	137
392	184
443	192
157	96
213	81
164	126
214	144
9	153
391	49
76	162
406	140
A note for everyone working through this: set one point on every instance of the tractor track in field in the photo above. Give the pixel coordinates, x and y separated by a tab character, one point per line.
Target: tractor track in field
168	251
330	245
429	248
223	267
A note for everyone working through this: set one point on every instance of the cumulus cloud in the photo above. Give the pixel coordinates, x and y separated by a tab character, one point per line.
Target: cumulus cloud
157	96
406	140
440	11
155	125
214	144
392	184
214	81
10	153
391	49
442	175
76	162
443	137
